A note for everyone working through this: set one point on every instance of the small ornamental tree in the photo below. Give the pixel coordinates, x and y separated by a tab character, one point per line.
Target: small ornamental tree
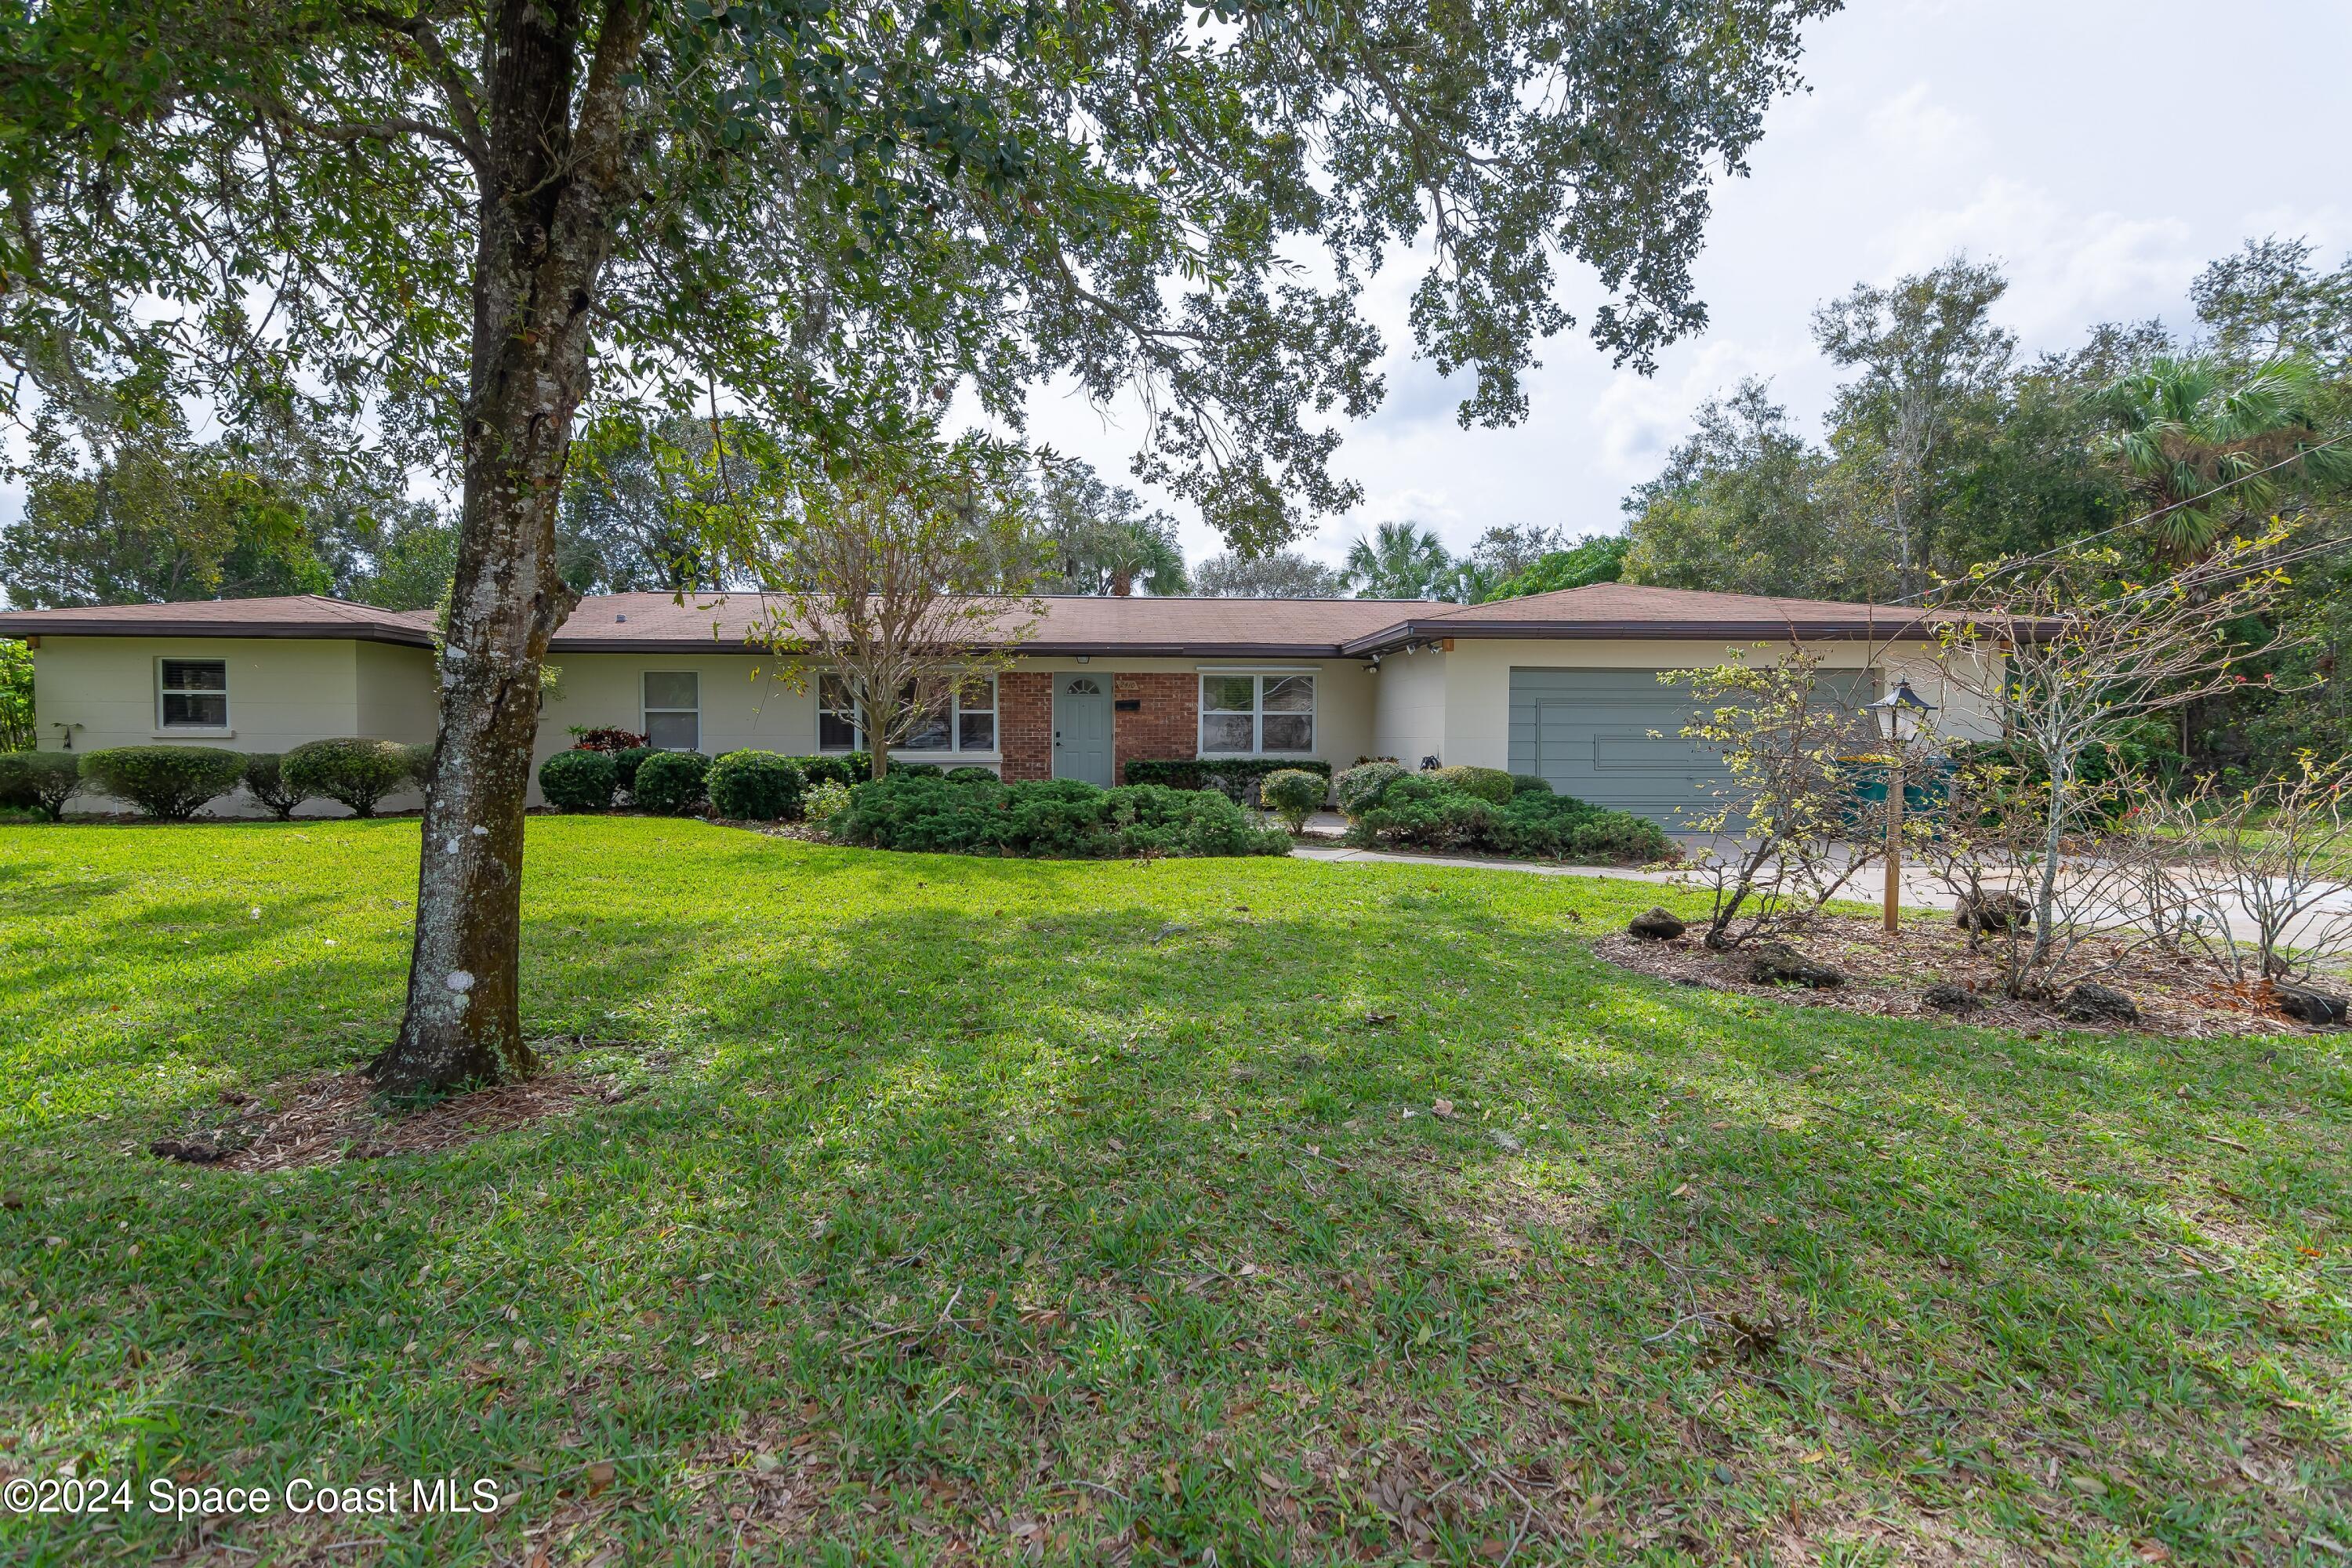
1781	846
2071	656
900	587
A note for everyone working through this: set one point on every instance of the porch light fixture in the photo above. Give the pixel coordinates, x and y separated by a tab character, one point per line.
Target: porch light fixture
1899	715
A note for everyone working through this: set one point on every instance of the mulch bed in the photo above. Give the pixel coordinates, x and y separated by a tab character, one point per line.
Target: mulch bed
2179	994
334	1117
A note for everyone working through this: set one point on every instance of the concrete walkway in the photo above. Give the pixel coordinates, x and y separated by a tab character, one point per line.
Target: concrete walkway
1920	892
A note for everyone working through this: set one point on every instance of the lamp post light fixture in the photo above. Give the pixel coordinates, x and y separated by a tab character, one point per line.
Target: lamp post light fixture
1900	715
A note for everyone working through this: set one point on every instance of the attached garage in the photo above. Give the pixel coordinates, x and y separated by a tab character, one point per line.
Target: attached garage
1614	737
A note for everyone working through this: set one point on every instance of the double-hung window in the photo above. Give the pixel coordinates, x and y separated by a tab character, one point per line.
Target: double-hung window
962	718
836	715
673	709
190	694
1257	715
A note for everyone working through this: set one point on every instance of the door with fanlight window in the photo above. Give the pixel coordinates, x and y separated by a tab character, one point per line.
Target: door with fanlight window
1082	729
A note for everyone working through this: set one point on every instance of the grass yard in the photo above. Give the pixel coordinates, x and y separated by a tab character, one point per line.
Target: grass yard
1099	1212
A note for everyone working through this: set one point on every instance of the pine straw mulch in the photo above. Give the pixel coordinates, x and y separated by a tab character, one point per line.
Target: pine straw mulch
2179	994
329	1117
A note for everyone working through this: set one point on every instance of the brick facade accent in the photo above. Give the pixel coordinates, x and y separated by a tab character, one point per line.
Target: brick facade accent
1166	728
1024	723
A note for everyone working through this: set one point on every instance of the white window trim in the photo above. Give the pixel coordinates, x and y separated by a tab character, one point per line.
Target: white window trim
955	746
1258	676
645	713
229	714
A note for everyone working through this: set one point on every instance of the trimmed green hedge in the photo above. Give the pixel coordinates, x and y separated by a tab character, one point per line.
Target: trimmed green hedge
1237	778
170	782
265	780
1359	787
1060	818
1425	811
357	772
755	787
40	781
1293	794
580	780
671	783
1486	783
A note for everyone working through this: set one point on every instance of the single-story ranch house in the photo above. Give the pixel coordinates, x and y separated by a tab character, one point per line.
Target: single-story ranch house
1562	685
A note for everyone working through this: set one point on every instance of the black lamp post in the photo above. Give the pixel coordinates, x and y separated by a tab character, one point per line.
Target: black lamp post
1900	715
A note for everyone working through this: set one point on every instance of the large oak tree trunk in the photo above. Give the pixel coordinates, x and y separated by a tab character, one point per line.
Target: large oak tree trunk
550	192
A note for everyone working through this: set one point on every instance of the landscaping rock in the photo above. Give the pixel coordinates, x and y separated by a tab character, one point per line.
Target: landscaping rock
1994	911
2309	1005
1655	924
2089	1004
1949	998
1778	963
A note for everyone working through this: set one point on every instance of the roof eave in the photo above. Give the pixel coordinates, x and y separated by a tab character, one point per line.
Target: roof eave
400	636
1739	631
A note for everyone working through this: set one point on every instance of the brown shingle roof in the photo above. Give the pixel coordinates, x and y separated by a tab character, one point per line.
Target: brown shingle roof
1138	627
294	615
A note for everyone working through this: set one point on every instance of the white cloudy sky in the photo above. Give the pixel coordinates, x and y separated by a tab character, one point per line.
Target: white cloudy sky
2102	150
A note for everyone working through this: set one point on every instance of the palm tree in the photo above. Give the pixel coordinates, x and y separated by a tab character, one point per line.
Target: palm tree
1401	561
2203	446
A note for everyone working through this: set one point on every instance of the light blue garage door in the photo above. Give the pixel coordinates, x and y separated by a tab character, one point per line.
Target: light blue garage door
1588	732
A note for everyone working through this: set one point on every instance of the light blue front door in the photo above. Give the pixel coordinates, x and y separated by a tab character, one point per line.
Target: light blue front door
1082	729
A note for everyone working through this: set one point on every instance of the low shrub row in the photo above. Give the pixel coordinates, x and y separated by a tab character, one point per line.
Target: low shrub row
1237	778
742	785
172	783
1487	811
1057	818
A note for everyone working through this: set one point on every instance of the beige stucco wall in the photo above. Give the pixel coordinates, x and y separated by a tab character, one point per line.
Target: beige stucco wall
1409	707
758	700
281	693
1456	704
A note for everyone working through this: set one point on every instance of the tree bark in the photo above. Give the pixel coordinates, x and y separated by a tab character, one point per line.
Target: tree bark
550	193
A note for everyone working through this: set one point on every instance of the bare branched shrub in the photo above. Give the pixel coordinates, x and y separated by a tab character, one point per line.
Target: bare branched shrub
2263	871
2070	655
1781	827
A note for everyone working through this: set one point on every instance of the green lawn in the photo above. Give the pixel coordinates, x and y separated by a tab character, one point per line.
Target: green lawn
1026	1211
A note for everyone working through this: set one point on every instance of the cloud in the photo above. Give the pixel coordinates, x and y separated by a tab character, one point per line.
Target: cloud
2067	268
1912	127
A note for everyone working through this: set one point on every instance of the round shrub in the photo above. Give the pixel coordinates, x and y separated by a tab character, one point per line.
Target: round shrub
358	772
579	781
971	775
167	781
755	787
1527	784
1361	788
826	801
1492	786
265	780
418	760
671	783
1292	795
625	762
39	781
